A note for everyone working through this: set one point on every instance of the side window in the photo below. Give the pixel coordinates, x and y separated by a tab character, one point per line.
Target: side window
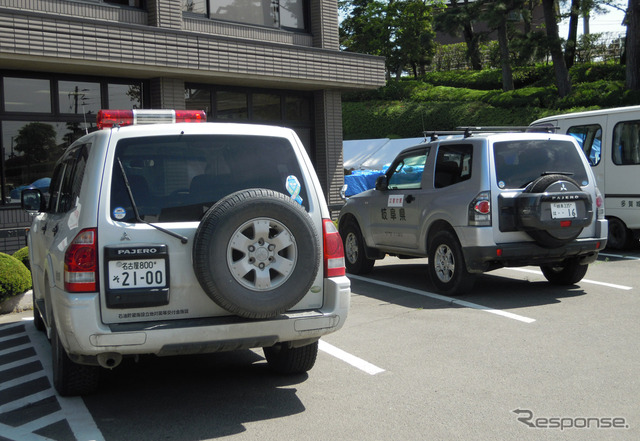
590	139
54	188
625	149
75	164
453	165
407	173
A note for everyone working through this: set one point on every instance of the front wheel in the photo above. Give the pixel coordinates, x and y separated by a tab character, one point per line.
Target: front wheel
356	260
564	273
284	359
447	267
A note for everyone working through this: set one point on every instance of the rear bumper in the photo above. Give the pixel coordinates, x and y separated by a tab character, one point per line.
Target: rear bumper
482	259
84	336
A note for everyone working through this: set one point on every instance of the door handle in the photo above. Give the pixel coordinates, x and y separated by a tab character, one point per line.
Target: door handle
55	229
44	228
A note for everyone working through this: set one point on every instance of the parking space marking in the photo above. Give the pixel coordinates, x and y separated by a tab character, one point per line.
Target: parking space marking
25	361
450	300
619	256
593	282
350	359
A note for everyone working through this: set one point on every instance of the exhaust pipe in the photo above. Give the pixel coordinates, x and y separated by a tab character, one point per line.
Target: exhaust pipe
109	360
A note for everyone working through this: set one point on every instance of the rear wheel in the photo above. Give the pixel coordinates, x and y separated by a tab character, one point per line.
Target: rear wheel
620	237
356	260
447	267
71	378
37	317
288	360
565	273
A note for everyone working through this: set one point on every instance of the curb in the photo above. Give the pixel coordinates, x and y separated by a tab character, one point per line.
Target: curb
17	303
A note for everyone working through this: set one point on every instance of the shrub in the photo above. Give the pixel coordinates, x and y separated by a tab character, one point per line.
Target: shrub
15	278
23	256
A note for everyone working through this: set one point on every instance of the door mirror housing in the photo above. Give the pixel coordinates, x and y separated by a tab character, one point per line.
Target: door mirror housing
32	200
382	183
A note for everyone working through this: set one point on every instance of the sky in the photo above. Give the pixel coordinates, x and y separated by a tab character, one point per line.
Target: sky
606	23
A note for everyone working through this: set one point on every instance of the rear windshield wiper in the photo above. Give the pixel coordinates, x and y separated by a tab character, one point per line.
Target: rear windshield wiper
182	238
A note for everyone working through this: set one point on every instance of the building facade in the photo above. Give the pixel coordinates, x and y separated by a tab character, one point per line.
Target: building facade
256	61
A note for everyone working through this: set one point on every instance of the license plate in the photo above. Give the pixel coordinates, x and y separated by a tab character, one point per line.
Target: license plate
128	274
563	210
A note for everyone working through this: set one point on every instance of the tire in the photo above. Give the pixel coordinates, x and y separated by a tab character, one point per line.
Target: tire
356	260
38	322
620	237
256	253
69	378
568	272
557	237
284	359
447	267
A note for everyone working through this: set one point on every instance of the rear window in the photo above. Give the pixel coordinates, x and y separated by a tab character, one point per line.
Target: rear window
520	162
178	178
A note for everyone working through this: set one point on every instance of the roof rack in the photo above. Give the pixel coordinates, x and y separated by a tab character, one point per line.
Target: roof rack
468	131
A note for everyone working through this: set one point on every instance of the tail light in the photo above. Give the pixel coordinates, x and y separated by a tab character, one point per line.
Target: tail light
599	205
480	210
333	250
111	118
81	263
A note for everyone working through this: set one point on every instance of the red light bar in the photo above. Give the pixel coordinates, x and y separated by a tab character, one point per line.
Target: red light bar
111	118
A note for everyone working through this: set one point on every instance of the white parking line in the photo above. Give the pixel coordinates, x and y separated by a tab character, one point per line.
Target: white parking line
619	256
72	408
447	299
351	359
593	282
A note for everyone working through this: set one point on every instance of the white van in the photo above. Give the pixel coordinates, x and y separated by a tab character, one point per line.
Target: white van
610	138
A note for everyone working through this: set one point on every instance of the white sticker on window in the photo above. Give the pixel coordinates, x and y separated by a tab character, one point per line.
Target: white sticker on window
395	200
119	213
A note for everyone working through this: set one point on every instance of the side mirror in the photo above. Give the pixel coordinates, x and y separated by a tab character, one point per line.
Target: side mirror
382	183
32	200
343	192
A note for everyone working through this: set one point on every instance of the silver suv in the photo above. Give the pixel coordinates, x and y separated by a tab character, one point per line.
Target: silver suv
477	202
181	238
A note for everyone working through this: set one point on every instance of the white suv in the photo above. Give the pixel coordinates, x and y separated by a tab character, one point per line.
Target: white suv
477	202
181	238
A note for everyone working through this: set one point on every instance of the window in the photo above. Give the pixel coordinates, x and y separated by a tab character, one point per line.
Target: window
41	117
27	95
279	14
125	96
407	171
79	97
626	143
590	139
179	178
231	105
518	163
266	107
74	167
453	165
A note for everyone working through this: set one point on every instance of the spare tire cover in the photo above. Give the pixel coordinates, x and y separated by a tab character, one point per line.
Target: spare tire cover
256	253
554	235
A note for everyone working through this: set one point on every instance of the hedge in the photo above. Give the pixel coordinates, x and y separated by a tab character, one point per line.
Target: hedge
15	278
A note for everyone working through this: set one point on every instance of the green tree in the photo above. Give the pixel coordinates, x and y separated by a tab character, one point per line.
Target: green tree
632	21
399	30
563	82
458	19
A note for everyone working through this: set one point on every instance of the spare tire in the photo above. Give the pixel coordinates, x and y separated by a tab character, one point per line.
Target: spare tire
256	253
537	207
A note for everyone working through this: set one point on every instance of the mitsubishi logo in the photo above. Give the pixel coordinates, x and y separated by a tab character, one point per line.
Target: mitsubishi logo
124	237
562	188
